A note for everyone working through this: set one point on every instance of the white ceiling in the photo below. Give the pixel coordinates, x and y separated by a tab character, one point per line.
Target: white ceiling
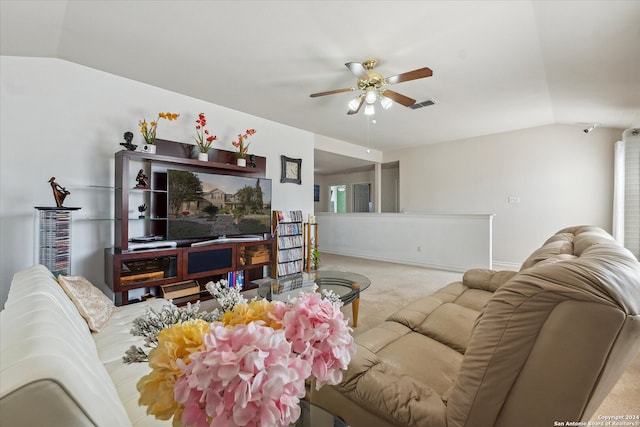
497	65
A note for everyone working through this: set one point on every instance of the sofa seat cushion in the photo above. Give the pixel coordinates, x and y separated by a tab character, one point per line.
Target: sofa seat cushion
112	343
115	338
404	366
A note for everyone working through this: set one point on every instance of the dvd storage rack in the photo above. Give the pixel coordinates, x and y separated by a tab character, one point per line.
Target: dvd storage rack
55	239
288	234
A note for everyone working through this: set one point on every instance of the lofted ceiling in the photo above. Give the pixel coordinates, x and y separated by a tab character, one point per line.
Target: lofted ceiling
497	65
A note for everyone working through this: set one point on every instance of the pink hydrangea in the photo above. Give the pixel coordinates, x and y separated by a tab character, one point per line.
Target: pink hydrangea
319	333
245	376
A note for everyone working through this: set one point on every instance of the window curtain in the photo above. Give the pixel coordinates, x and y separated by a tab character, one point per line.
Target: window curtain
618	192
627	193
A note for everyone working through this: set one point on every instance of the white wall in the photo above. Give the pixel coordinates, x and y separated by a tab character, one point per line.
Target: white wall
65	120
562	176
454	242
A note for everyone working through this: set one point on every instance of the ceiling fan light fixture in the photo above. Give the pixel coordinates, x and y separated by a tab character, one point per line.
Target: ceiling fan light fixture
369	110
386	102
371	96
354	103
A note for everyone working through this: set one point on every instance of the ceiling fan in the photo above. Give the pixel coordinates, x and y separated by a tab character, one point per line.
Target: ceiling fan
373	86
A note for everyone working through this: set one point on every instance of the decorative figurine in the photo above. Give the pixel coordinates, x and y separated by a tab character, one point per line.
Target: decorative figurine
252	161
143	180
128	137
141	209
59	192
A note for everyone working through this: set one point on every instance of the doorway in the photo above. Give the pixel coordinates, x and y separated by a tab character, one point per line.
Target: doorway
338	198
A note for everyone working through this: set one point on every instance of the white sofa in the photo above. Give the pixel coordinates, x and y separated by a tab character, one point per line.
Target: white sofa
55	371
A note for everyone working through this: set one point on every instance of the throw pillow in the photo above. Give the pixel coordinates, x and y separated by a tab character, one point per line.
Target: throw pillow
93	305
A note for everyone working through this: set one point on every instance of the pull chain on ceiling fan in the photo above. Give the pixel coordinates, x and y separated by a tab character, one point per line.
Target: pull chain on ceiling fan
373	86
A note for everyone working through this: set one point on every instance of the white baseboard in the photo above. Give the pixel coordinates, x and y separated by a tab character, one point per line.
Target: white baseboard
501	265
496	265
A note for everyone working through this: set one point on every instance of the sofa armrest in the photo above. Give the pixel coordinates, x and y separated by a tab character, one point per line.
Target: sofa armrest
486	280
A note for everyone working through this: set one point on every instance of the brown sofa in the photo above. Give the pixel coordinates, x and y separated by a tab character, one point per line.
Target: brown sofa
523	348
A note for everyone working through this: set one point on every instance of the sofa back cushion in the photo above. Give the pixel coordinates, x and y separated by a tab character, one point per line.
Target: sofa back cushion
553	340
47	349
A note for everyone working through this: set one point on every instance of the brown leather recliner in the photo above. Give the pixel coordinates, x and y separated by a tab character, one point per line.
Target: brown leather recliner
530	348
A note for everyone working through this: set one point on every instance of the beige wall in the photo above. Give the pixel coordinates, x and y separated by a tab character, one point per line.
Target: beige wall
561	175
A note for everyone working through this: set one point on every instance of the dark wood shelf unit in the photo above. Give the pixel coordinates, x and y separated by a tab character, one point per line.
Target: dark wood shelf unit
126	269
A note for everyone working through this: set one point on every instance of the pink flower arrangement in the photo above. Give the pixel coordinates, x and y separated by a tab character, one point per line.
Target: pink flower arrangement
319	334
250	368
245	376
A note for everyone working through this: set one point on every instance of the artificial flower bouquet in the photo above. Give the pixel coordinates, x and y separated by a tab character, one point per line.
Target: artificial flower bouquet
245	365
203	138
241	145
148	130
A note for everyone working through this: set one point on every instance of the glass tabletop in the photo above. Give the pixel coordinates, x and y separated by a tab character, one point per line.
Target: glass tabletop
314	416
345	284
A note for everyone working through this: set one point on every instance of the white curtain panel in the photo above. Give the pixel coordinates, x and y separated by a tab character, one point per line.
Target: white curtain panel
618	192
631	139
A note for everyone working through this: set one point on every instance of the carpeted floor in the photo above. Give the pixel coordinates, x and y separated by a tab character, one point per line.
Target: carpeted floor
395	285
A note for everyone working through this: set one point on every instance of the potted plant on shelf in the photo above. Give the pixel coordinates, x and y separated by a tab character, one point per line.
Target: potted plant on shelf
243	146
148	131
203	138
315	258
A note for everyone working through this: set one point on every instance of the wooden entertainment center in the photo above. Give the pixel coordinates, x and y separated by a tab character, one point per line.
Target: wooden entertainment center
141	209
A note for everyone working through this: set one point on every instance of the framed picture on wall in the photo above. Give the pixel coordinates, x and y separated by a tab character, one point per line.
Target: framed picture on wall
316	193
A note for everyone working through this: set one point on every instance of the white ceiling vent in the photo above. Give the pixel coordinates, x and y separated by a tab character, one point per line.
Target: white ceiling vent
422	104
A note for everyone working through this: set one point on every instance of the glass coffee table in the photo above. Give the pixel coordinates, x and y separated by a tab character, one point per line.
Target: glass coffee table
345	284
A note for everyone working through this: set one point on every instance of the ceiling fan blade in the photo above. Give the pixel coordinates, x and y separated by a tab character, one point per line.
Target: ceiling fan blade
350	112
410	75
357	69
331	92
399	98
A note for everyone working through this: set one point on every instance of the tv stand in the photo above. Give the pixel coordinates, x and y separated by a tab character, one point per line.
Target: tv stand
138	261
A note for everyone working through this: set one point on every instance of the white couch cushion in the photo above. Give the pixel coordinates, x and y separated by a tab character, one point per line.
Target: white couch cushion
40	355
111	344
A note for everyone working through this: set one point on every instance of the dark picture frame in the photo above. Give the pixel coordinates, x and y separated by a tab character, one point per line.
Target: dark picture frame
291	170
316	193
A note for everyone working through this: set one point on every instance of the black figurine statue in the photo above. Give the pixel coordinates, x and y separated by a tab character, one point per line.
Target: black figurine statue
128	137
141	209
252	161
59	192
143	180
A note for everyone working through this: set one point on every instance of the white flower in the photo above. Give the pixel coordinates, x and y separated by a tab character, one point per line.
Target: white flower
153	321
227	297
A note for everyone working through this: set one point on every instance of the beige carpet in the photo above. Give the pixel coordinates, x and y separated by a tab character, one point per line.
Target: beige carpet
394	285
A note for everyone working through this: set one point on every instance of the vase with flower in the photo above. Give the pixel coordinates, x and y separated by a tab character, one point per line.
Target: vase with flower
243	366
149	130
203	138
243	146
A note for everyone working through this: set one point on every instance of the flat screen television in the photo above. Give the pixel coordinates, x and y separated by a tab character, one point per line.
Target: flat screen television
206	206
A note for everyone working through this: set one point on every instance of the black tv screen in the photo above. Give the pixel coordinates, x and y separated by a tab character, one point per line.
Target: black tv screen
206	206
